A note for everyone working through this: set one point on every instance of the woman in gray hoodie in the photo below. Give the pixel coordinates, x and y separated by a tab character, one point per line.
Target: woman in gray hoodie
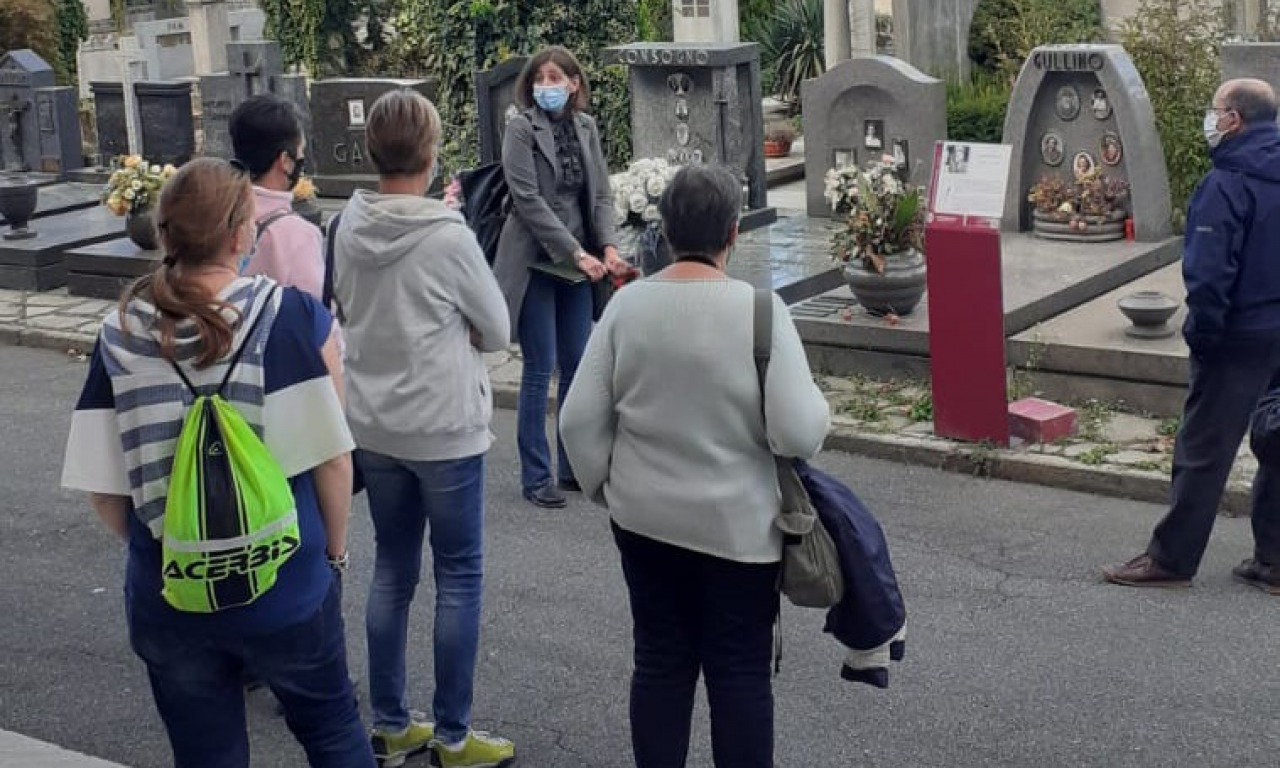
421	305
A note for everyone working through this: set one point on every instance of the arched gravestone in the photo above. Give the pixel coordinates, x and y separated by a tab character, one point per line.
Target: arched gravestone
863	109
495	103
1073	99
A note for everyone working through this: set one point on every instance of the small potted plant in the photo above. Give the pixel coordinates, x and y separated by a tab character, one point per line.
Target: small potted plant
1092	209
778	137
132	191
882	240
304	200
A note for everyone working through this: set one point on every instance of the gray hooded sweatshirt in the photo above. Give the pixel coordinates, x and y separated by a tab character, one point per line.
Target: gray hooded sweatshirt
416	289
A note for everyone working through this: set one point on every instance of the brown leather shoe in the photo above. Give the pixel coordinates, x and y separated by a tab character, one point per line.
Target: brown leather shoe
1261	575
1142	571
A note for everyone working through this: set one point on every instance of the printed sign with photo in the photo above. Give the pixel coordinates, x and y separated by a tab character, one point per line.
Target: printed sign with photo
970	179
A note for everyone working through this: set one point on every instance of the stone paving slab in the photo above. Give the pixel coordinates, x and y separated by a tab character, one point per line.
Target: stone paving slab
1114	454
18	750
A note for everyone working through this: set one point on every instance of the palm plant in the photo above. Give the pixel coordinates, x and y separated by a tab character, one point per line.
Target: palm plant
791	39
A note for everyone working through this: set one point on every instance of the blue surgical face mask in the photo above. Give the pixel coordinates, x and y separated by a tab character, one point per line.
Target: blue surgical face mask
551	98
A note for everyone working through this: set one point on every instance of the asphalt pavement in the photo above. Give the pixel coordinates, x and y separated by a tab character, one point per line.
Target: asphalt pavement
1017	655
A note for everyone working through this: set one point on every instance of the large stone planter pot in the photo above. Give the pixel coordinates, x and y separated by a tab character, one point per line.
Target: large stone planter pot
18	198
897	291
141	229
1096	229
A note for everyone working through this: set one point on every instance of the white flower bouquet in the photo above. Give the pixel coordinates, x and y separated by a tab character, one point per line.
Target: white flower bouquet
637	190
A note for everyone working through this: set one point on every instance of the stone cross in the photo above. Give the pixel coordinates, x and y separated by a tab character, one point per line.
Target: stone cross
11	133
210	33
132	68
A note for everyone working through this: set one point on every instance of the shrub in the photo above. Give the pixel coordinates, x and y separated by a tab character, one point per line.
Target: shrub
1175	48
1004	32
791	42
975	112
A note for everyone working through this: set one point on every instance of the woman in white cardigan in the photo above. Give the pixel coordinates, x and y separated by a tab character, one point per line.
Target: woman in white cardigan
665	427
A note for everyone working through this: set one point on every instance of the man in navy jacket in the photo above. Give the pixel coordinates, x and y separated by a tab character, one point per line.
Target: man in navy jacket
1231	266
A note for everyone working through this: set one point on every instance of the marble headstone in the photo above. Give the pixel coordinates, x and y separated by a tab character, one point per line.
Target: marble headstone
1260	60
21	73
700	103
167	127
109	120
867	108
58	121
339	110
1082	107
495	105
219	96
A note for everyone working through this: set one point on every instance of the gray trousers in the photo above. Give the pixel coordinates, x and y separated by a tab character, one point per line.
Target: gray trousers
1225	387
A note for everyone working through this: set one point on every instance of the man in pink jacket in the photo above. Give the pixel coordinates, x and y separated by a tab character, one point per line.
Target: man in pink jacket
268	142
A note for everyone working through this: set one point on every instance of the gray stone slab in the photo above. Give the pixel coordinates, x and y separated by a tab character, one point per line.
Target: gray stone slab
102	270
495	105
1040	279
1260	60
339	109
865	108
61	198
1083	96
165	123
37	263
1090	339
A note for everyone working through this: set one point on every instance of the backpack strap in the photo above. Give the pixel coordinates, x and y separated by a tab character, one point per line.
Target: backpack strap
762	335
326	292
265	223
235	358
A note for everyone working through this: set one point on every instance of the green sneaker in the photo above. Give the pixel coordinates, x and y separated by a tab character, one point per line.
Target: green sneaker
392	749
478	750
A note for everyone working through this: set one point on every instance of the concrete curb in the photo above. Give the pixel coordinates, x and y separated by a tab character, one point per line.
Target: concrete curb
999	464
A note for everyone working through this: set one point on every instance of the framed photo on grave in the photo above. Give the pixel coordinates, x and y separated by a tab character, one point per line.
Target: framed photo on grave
873	135
844	158
355	113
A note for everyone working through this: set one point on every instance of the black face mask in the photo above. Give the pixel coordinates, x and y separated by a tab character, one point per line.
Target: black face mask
299	165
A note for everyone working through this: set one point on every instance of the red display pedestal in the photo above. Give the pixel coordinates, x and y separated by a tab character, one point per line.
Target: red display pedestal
966	331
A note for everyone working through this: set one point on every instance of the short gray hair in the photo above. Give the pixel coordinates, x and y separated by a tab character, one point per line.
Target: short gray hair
700	208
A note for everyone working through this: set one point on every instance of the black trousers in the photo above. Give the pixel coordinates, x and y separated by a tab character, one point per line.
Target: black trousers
697	613
1226	385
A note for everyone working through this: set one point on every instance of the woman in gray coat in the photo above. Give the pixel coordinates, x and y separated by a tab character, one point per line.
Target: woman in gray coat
559	239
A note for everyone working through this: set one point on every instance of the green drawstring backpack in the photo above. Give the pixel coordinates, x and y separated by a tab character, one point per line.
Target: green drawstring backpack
229	520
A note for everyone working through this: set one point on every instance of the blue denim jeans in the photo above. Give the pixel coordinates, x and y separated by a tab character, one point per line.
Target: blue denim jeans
555	321
198	684
692	613
404	498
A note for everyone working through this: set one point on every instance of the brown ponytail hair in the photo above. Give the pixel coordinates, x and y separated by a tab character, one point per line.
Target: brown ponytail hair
200	209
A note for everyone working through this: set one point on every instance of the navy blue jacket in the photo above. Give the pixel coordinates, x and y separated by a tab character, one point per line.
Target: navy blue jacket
872	612
1231	259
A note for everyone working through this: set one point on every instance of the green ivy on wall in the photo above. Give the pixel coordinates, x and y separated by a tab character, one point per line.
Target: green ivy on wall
452	39
73	28
321	35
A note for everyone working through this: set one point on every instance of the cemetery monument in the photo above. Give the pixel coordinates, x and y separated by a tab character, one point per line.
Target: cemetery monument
696	103
865	109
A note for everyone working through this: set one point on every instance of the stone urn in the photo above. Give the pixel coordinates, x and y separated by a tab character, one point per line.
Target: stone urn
897	291
1149	311
308	209
18	198
1070	227
140	226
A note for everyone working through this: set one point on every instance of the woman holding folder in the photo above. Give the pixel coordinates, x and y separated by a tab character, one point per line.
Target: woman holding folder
558	241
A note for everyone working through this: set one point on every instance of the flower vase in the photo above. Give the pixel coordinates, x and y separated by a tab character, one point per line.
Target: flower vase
141	228
308	209
897	291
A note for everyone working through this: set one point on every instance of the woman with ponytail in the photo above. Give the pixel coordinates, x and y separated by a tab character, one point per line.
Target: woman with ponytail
276	350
